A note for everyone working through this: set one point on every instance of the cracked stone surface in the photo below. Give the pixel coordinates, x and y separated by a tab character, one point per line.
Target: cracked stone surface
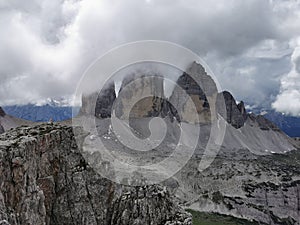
45	180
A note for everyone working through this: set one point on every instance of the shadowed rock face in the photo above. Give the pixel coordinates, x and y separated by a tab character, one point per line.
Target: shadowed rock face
105	101
241	107
234	114
99	104
44	179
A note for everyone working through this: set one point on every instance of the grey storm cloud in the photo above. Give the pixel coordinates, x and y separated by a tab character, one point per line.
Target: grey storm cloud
288	100
47	45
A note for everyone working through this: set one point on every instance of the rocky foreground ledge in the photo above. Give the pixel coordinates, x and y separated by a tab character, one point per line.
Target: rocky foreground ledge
45	180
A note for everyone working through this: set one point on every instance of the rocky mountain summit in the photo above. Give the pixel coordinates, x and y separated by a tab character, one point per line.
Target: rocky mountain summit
244	130
45	180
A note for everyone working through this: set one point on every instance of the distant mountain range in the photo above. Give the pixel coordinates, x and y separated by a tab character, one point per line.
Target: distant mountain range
40	113
288	124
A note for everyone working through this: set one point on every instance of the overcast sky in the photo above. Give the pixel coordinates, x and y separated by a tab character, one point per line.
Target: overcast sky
253	46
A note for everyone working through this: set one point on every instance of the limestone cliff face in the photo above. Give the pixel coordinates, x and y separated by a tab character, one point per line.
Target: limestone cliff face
140	96
197	101
44	179
200	95
130	102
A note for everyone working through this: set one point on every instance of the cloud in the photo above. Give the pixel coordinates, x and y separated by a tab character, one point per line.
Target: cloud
47	45
288	100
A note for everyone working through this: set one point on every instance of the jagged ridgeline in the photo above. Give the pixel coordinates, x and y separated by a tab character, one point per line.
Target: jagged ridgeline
157	104
245	131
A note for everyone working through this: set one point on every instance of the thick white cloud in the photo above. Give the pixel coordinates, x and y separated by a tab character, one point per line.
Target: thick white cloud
288	100
46	45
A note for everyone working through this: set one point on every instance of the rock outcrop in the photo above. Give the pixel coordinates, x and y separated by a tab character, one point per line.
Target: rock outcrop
44	179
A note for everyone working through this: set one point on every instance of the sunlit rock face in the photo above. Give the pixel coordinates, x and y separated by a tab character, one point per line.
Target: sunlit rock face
199	96
140	97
